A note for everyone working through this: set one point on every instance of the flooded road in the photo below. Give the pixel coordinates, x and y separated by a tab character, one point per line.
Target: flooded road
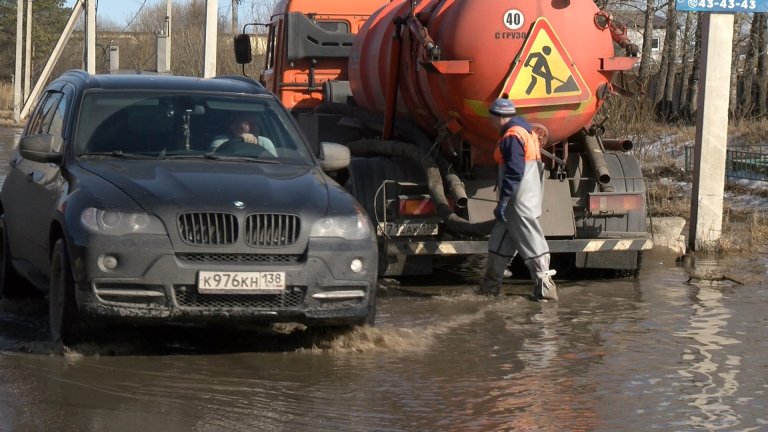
670	350
656	352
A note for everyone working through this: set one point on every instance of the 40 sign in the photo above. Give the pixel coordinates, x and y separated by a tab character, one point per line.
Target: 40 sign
749	6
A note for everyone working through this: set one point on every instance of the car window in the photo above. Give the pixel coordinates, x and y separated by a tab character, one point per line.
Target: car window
40	123
56	123
187	124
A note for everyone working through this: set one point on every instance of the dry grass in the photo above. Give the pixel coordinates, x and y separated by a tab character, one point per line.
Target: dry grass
6	96
748	133
743	233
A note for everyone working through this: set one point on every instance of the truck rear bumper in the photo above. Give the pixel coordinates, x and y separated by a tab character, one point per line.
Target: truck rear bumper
469	247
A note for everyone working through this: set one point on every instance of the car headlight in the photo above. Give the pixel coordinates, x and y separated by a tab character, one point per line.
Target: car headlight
116	223
351	227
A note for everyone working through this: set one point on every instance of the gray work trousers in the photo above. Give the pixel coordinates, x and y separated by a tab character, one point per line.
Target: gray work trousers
522	233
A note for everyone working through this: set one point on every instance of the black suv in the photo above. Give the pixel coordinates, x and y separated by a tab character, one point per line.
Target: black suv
151	198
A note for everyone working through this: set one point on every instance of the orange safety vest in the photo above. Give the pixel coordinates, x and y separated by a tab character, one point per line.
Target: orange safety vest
530	144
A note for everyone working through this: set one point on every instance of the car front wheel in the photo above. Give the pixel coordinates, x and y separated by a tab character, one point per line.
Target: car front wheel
64	322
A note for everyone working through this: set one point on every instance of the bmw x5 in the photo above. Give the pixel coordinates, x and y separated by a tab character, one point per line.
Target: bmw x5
129	199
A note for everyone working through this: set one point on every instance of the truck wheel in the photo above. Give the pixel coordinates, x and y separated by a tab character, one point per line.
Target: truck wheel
11	285
62	306
626	176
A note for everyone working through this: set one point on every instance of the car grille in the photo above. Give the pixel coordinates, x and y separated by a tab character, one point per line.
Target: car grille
211	229
271	229
190	298
222	229
224	258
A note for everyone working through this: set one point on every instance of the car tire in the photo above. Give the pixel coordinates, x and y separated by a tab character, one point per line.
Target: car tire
62	306
11	285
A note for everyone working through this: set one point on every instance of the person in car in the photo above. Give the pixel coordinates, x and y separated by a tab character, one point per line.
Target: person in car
242	128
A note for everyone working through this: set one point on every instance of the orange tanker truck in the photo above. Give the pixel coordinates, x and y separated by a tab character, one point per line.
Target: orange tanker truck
406	87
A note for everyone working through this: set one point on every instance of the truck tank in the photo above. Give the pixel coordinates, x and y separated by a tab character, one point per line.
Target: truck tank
554	58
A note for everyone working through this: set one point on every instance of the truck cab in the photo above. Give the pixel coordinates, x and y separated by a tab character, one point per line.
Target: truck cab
308	46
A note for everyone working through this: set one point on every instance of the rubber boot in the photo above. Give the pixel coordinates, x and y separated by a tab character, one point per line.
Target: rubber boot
545	288
494	275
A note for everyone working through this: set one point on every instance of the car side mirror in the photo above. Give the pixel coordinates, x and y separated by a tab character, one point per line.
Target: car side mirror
335	157
41	148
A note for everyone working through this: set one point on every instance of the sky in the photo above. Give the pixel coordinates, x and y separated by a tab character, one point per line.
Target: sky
121	11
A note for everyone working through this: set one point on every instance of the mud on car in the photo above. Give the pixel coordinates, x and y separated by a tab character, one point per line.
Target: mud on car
130	198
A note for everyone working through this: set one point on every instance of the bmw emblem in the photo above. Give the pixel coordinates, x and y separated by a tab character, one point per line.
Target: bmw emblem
239	204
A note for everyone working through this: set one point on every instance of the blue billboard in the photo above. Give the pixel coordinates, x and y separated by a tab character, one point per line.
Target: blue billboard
748	6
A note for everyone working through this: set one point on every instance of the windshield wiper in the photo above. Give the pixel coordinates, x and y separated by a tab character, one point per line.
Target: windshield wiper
239	158
119	154
123	155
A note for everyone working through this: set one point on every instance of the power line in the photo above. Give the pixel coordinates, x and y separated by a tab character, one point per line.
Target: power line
138	12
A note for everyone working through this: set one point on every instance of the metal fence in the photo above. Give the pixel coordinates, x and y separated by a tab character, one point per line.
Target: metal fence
742	162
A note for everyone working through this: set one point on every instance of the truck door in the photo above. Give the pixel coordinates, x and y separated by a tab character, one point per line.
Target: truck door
273	47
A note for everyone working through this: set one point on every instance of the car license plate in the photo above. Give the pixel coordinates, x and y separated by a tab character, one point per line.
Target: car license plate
407	229
213	282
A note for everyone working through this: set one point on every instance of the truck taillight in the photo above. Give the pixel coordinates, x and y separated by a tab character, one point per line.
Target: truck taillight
613	203
417	207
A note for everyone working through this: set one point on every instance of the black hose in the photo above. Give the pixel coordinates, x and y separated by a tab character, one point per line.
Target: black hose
434	181
417	146
596	158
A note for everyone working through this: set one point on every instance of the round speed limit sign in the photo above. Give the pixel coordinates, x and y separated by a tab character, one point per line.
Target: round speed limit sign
514	19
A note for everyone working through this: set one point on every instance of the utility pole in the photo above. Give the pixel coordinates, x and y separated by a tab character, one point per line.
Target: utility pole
17	71
164	43
90	37
28	52
211	24
168	25
711	131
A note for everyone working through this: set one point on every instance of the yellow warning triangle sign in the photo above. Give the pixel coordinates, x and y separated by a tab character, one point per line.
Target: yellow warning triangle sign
543	73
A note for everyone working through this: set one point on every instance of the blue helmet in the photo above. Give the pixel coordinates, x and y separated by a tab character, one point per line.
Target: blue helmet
502	107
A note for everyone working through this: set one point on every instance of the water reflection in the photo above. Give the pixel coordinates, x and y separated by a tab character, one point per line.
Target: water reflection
711	372
8	139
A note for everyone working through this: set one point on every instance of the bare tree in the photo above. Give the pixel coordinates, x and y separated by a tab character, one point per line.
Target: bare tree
735	66
667	55
762	63
235	24
645	65
693	82
687	48
750	66
669	105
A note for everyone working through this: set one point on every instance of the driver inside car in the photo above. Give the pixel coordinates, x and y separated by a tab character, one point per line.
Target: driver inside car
242	129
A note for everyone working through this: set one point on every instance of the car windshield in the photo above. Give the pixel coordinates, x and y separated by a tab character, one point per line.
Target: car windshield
156	124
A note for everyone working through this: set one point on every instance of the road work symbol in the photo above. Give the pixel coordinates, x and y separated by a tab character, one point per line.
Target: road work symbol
540	69
543	73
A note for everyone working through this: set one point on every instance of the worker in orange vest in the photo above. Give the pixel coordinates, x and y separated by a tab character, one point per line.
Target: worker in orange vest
517	228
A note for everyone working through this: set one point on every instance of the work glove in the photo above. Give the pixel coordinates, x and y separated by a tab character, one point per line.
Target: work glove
500	209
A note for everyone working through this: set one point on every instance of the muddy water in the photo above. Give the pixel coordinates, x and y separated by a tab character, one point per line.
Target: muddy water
664	351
